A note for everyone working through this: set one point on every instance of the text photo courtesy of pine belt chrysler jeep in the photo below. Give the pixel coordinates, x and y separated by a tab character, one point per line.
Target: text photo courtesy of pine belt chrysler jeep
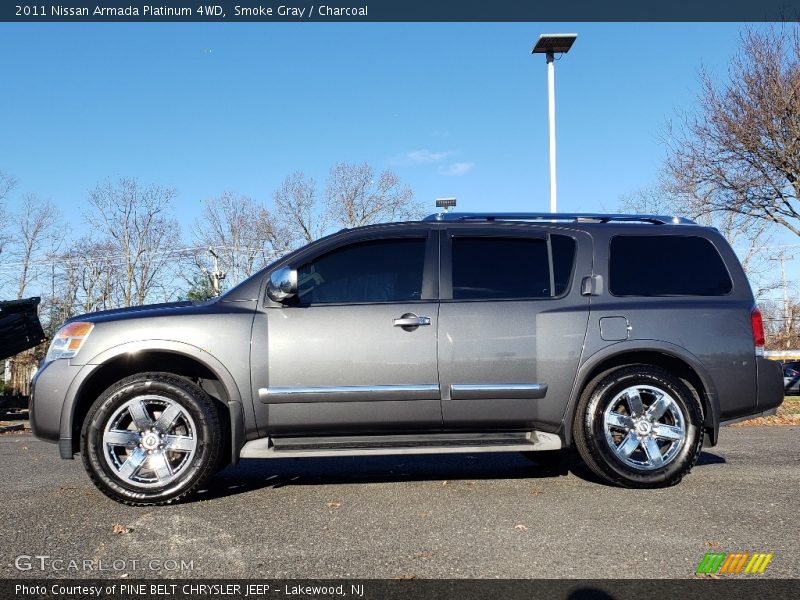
628	338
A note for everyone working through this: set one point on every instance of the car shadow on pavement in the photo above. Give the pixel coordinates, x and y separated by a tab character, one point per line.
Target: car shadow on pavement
252	475
709	458
580	470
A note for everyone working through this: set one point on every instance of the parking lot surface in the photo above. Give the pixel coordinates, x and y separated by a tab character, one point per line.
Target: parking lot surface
452	516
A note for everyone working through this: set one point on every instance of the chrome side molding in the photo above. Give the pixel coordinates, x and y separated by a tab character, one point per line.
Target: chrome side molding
348	393
361	393
506	391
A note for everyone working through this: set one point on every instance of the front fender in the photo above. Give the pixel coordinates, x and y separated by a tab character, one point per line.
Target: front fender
195	353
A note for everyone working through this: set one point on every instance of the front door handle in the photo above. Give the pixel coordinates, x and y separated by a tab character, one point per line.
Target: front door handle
411	320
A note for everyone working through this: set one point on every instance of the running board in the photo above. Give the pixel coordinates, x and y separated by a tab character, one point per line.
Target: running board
378	445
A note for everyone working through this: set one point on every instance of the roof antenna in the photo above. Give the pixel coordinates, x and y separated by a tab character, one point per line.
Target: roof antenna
444	203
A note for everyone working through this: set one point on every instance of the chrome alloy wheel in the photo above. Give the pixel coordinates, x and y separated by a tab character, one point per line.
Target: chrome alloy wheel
644	427
149	441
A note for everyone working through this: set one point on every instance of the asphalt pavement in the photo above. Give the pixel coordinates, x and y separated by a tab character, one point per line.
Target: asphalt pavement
451	516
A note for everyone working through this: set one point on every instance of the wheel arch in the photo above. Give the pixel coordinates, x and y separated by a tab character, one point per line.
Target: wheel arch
668	356
176	358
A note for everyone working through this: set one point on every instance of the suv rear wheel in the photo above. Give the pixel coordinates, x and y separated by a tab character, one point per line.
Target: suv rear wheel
639	426
151	438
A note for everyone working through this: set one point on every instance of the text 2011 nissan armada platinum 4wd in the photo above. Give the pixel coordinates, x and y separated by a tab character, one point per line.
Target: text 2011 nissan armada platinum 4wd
629	338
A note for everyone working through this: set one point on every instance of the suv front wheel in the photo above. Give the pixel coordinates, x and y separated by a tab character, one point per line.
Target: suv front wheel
151	438
639	426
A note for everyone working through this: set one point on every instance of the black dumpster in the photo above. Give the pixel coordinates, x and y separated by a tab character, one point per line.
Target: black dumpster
20	328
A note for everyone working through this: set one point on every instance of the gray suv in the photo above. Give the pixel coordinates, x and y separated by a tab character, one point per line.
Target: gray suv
628	338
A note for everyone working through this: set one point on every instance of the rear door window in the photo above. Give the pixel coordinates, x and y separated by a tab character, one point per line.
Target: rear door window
503	268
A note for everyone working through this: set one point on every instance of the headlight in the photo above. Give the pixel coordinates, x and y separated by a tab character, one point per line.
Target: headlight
68	340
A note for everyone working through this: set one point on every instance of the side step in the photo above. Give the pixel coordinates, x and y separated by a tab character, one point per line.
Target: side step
377	445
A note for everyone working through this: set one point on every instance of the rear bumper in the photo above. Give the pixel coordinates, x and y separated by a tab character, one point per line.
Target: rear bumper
769	392
768	397
766	413
770	384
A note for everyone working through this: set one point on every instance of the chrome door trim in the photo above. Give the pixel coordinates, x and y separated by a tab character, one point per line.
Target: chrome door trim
348	393
478	391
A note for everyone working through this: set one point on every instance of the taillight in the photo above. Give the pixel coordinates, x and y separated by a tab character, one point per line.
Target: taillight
758	330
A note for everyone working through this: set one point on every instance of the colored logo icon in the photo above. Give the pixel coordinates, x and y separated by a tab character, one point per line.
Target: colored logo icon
736	562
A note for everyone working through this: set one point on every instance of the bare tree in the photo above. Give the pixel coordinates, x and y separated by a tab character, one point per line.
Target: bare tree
35	227
136	223
655	200
781	324
33	232
739	155
298	215
355	196
7	184
242	233
92	270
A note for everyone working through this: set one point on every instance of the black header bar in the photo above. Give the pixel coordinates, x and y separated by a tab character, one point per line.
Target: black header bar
377	589
371	11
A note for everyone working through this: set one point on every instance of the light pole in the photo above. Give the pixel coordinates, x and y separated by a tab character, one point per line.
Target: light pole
550	44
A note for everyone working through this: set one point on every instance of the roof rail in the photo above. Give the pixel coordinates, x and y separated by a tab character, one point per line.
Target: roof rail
561	217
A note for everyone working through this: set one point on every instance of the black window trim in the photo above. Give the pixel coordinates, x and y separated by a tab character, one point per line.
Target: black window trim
429	273
681	235
446	258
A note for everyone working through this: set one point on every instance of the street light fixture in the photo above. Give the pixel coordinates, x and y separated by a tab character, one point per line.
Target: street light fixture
550	44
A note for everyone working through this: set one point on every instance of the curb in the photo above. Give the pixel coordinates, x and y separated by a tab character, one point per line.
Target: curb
15	427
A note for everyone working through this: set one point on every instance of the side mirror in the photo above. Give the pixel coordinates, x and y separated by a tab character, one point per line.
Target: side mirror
282	284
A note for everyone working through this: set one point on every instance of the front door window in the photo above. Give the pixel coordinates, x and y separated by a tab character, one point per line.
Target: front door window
367	272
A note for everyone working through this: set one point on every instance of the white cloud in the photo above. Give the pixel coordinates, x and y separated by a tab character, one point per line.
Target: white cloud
457	169
424	156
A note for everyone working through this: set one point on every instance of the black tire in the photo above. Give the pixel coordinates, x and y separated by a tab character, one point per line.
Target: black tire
185	452
555	461
594	438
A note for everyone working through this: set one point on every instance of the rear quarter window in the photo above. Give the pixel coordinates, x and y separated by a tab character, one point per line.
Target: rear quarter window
666	265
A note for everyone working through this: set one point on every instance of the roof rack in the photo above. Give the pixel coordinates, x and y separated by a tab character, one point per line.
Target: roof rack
561	217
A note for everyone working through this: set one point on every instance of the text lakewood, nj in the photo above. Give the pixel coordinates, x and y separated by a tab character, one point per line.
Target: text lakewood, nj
147	10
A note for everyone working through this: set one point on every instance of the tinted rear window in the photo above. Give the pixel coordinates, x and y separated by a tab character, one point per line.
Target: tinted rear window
563	248
666	265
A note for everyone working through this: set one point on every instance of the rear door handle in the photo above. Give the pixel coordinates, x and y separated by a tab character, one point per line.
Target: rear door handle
411	320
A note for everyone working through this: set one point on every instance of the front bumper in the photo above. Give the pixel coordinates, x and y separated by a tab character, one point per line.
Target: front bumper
52	389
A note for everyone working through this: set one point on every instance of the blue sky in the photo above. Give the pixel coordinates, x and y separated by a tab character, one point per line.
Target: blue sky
456	109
